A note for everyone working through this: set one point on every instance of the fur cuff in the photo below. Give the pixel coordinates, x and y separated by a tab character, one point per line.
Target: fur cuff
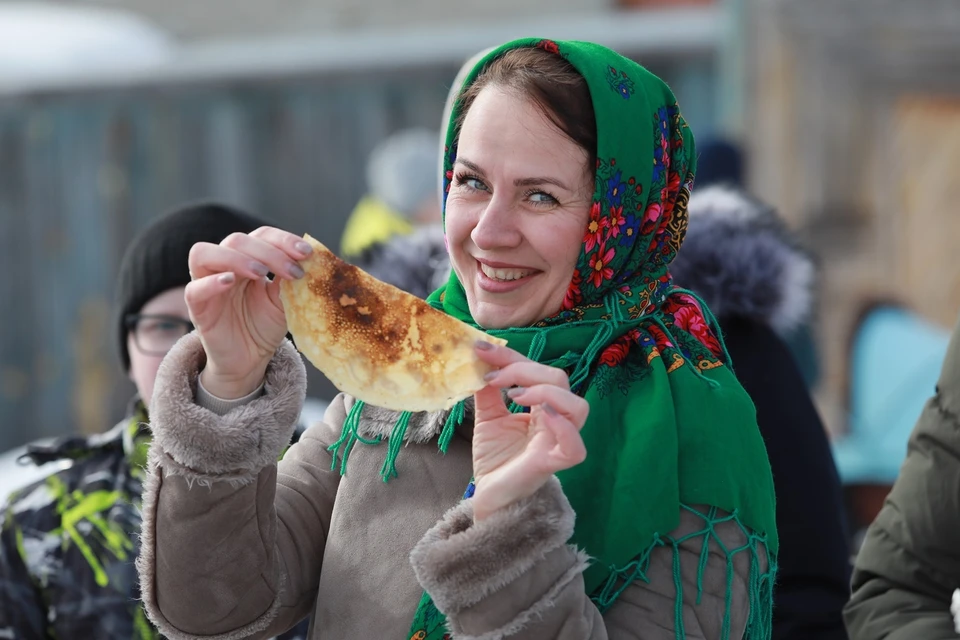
147	569
459	562
205	447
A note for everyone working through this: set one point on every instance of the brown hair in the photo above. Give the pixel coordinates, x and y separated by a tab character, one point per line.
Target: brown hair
551	83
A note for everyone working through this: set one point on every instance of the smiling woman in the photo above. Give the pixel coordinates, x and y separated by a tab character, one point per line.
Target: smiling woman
608	482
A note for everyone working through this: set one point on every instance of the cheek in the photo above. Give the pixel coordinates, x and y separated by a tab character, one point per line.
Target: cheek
459	223
143	372
561	247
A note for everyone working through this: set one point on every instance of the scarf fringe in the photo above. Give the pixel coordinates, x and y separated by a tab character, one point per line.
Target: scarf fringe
760	587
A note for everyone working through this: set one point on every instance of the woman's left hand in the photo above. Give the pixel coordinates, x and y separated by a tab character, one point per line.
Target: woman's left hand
514	454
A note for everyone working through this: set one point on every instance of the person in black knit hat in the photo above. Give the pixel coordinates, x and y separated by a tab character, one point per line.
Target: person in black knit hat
68	543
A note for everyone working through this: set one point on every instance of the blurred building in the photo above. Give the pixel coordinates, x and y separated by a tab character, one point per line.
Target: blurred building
852	120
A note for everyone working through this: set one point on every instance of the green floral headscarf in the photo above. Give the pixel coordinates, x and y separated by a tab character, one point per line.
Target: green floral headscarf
669	424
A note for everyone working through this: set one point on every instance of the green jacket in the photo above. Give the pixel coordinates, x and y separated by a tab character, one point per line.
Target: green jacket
909	565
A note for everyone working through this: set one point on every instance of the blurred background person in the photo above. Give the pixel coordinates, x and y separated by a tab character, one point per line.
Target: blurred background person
68	542
401	192
888	388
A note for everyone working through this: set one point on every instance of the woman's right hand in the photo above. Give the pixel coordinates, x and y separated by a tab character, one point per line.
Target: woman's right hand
236	309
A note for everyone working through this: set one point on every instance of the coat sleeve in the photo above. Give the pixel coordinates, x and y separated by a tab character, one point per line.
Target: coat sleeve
22	612
232	542
514	576
813	578
909	564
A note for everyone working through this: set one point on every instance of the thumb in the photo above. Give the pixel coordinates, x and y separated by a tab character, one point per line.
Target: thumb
489	404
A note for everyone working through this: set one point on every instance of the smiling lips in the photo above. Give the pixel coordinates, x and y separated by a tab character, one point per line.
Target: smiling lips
505	274
500	278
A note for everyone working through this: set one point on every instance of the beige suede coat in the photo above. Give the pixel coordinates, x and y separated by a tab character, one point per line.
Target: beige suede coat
236	546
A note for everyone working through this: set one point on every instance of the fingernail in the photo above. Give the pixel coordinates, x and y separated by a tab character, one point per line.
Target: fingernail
226	278
303	247
549	410
295	271
516	391
483	345
490	376
260	269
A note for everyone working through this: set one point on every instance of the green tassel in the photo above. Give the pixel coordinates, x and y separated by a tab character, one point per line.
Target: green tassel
348	435
454	420
396	442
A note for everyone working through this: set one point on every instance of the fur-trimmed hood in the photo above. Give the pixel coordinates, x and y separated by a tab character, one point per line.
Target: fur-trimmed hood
742	260
416	263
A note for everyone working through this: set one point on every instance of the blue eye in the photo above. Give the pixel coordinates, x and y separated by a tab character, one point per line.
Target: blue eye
473	183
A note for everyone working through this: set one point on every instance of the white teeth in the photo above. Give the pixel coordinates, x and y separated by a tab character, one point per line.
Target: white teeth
504	274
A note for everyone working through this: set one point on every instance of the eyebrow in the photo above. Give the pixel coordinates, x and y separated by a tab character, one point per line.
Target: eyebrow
520	182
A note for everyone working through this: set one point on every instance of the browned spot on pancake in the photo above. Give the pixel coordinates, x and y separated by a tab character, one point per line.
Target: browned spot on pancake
437	348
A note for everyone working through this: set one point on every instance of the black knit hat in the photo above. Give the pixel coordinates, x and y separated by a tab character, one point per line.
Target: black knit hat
156	259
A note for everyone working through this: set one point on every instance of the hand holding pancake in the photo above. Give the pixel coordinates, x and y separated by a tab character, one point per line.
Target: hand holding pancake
514	454
237	311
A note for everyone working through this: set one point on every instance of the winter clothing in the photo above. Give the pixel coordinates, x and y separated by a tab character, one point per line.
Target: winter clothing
744	263
331	536
909	566
888	389
68	542
156	259
236	546
401	178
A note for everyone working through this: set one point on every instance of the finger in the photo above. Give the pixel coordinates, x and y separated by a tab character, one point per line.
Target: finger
489	404
294	246
569	405
207	259
572	451
199	294
497	355
527	374
280	259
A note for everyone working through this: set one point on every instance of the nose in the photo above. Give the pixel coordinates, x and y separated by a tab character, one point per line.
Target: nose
497	227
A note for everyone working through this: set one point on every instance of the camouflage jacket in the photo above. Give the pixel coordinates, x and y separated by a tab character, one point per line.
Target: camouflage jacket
68	543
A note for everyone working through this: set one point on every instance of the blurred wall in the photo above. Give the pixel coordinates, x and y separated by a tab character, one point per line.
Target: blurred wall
853	129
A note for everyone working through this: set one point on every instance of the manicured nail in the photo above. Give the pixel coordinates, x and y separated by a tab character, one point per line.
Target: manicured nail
295	271
516	391
549	410
483	345
226	278
304	248
259	268
490	376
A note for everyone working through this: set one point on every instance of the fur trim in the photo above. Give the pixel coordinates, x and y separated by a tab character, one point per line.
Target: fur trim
147	568
417	262
540	607
741	258
205	447
459	562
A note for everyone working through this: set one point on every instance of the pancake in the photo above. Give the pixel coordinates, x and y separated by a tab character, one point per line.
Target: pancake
377	342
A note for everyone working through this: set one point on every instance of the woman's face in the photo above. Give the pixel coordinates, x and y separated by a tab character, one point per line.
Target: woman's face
517	210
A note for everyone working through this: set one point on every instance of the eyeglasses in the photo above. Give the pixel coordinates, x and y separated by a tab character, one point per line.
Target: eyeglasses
155	335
